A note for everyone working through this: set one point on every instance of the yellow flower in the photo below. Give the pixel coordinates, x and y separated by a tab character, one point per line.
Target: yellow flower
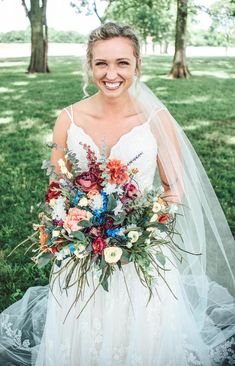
133	236
112	254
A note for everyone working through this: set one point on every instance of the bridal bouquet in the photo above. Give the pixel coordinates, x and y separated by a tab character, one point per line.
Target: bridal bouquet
97	218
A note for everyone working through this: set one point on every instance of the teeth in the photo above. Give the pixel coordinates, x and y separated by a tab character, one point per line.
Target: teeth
112	85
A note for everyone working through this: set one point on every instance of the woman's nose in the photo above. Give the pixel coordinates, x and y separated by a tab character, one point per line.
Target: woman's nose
111	73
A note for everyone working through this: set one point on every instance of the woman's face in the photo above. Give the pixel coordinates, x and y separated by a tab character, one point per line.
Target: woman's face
113	66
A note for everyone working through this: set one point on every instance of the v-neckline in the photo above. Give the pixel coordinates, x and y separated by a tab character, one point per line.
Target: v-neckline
116	143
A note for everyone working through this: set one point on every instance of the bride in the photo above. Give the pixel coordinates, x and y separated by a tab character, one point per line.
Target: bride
194	327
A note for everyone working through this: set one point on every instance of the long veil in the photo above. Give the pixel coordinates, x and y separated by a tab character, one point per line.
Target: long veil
208	277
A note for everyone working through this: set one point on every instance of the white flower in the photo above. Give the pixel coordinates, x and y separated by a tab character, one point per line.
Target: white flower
154	218
79	252
112	254
63	168
52	202
129	244
55	233
59	212
83	202
173	208
156	207
112	188
133	236
159	234
118	208
147	241
97	202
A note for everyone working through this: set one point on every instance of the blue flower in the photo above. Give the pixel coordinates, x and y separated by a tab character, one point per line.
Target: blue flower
113	232
71	247
76	198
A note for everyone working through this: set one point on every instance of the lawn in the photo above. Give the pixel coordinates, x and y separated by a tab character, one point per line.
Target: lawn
29	105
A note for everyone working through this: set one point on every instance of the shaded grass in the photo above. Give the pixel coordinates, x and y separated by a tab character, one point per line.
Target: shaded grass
29	105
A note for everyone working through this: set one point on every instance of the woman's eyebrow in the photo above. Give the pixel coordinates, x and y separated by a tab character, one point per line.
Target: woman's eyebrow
118	59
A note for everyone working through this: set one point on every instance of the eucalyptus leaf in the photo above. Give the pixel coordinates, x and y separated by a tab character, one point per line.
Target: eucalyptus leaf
85	223
44	259
161	258
111	203
79	235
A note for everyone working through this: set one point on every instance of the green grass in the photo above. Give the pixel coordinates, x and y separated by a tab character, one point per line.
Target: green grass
29	105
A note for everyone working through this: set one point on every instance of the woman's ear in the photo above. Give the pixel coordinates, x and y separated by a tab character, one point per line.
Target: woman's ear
138	66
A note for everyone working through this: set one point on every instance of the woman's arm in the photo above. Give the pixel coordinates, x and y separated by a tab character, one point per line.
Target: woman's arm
60	139
169	158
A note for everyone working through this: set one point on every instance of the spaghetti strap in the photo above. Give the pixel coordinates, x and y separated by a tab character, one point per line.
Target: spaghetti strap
70	114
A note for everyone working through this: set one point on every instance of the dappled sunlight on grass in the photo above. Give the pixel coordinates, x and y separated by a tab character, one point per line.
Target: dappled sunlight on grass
193	99
4	120
12	63
20	83
197	124
6	90
216	74
217	136
77	73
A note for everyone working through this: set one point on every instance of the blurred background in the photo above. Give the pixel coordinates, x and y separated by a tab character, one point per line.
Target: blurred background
188	50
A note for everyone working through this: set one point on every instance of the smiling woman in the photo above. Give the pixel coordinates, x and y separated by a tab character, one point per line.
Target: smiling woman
190	318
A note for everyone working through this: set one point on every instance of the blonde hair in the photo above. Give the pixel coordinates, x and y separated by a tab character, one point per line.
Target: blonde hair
107	31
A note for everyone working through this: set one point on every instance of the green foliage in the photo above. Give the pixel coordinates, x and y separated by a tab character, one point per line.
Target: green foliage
151	18
29	106
54	36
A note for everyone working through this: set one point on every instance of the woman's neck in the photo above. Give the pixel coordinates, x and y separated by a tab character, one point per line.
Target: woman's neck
120	106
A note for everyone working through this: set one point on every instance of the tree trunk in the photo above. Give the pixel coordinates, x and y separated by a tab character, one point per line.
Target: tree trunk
39	36
179	68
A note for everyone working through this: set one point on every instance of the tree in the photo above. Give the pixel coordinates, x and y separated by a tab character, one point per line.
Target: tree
222	13
39	35
150	18
179	68
89	6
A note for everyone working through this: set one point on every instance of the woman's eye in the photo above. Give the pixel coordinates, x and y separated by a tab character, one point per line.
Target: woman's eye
124	63
100	63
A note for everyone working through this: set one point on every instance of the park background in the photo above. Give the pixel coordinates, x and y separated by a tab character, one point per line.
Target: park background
197	84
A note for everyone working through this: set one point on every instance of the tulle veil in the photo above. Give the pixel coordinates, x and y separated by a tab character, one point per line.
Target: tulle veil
208	277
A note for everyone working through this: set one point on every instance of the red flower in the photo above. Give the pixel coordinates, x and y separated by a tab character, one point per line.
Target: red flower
52	191
53	250
163	219
131	191
90	180
98	245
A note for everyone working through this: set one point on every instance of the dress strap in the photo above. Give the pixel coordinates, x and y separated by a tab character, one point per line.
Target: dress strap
70	113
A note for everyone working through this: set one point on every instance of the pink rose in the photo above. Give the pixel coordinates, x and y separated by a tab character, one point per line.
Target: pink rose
75	215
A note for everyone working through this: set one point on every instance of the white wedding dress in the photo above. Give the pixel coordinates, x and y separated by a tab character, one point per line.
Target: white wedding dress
112	330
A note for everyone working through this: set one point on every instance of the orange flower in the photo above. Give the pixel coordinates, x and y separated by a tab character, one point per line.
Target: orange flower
92	193
43	238
117	171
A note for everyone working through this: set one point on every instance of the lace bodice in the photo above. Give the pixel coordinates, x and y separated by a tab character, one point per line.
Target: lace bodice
137	146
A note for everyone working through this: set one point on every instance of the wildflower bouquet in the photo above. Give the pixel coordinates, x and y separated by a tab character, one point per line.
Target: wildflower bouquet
98	218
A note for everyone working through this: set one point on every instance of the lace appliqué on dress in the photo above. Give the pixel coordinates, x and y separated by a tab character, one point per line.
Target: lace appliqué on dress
14	334
224	353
